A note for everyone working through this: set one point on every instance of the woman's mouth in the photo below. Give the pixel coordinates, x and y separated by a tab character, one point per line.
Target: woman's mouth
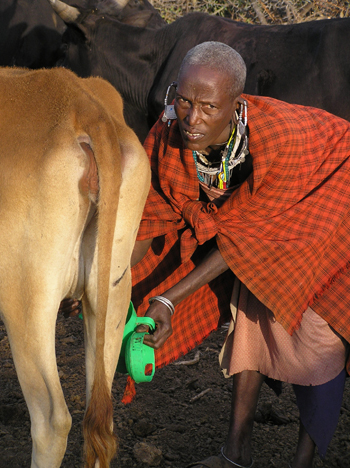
192	135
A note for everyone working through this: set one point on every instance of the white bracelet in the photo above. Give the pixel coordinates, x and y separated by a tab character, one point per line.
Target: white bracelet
164	301
233	463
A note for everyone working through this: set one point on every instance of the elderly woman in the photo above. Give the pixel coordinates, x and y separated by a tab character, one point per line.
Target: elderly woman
248	216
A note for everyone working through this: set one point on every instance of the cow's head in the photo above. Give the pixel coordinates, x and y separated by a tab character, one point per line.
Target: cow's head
100	39
81	34
138	13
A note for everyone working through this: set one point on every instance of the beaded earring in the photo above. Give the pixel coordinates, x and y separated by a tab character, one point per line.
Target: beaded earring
242	124
169	111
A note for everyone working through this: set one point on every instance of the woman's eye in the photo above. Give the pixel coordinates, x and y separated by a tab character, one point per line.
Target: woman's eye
182	101
209	109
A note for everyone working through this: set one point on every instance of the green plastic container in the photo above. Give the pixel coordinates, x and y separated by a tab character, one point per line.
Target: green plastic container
139	359
136	358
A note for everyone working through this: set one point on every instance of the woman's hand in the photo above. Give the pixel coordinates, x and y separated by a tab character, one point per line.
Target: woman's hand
161	315
69	308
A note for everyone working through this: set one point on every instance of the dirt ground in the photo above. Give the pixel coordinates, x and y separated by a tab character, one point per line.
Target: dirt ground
180	417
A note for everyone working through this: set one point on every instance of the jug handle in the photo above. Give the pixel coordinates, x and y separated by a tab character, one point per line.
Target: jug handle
146	321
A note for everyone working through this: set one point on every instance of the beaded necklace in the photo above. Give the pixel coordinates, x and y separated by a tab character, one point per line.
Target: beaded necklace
223	172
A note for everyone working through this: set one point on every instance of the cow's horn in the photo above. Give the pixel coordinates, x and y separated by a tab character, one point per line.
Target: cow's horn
121	3
66	12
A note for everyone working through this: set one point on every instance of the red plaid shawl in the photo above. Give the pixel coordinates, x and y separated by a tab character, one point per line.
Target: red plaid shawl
284	233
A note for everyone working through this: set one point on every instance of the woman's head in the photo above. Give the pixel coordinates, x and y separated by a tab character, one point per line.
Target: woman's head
222	58
210	82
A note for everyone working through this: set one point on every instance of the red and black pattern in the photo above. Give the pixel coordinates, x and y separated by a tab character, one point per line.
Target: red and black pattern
284	232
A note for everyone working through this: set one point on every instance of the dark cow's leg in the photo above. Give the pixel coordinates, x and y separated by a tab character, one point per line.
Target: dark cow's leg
70	307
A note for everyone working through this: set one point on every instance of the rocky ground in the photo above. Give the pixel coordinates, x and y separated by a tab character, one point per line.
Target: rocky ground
180	417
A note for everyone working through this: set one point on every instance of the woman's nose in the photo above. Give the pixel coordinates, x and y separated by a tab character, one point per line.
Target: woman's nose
193	116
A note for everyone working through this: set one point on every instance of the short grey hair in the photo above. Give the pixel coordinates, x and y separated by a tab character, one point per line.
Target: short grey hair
220	57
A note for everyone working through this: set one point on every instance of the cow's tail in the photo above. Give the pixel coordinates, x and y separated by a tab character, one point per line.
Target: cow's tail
99	438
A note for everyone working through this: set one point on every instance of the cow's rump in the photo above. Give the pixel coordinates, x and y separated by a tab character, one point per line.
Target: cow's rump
69	215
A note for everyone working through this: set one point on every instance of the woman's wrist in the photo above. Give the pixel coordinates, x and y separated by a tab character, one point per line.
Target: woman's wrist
164	300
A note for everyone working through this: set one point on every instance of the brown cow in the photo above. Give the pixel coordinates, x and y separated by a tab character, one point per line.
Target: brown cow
73	182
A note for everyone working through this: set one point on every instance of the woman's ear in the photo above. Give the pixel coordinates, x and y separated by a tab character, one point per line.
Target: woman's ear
237	103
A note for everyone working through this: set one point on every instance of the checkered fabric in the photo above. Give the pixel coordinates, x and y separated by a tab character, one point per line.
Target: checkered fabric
284	232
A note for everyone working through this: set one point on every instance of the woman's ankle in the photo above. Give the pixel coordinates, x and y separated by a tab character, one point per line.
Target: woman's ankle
237	460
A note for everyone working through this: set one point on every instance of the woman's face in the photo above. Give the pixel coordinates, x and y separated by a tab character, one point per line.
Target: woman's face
204	107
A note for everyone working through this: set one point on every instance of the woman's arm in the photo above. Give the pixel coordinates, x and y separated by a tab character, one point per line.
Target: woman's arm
140	250
210	268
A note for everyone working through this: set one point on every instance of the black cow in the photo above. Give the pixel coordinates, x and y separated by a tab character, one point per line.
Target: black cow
306	63
31	32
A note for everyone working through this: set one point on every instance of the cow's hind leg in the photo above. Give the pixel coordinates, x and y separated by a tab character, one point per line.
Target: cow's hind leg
33	349
135	167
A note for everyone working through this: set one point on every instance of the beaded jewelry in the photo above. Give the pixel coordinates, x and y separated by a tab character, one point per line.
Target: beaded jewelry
200	177
169	110
230	158
223	172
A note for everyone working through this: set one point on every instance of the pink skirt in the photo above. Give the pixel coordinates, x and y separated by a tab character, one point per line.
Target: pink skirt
313	355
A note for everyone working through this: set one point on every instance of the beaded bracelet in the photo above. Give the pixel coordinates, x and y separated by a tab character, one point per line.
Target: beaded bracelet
164	301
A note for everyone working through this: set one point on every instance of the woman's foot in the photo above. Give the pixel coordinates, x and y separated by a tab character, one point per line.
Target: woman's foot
219	461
